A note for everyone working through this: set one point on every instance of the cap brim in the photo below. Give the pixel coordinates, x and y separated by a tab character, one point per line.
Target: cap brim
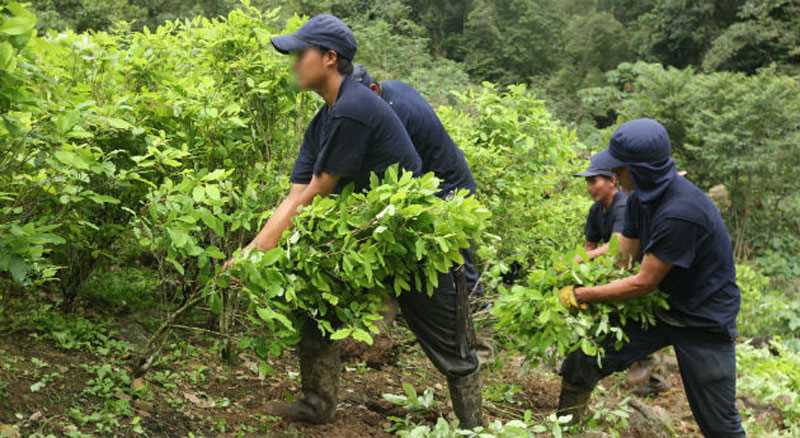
591	173
604	160
288	44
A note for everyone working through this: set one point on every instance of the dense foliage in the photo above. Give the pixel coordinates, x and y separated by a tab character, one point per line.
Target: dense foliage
347	252
136	158
726	128
536	322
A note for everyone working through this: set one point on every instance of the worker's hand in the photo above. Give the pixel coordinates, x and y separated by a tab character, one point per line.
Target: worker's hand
232	261
567	298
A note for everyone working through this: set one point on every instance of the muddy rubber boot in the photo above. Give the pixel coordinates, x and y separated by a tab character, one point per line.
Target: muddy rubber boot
320	366
465	393
573	401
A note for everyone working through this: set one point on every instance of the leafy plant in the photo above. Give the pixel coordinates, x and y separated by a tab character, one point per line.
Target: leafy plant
772	376
411	401
525	428
347	252
533	320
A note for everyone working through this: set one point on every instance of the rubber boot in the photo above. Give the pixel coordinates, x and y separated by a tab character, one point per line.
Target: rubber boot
573	401
320	367
465	393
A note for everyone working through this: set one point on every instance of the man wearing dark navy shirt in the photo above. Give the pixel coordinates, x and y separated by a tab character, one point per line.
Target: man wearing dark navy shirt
354	134
607	215
686	253
606	219
438	151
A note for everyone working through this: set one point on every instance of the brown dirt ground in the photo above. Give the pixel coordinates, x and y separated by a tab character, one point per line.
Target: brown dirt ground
229	400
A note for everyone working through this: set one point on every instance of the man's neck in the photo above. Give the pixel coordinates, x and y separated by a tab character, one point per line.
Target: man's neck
329	89
609	199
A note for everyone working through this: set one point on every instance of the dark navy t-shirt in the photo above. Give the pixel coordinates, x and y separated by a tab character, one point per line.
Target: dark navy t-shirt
602	223
685	229
359	135
439	153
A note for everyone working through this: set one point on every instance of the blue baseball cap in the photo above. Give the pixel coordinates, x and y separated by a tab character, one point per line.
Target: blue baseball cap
637	141
596	168
361	75
323	30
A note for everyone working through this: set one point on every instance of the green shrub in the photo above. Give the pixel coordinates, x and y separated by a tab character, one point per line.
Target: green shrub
534	321
346	252
772	376
523	161
765	311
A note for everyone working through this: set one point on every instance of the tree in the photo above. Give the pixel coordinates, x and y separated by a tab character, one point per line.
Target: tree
511	41
767	33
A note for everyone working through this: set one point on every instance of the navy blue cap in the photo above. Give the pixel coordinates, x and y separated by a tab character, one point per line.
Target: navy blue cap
361	75
597	167
323	30
637	141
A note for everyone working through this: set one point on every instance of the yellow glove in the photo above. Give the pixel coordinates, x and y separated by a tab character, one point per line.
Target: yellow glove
567	297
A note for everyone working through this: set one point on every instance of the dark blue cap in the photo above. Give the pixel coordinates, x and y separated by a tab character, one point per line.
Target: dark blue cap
637	141
323	30
597	167
361	75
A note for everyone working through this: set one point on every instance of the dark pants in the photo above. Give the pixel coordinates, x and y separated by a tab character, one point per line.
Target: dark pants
707	363
434	321
471	273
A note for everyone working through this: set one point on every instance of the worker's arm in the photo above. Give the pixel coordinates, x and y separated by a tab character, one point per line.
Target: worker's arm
269	236
594	251
629	251
651	273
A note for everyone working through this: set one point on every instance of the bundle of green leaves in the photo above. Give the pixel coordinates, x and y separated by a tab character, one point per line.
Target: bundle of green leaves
535	322
347	252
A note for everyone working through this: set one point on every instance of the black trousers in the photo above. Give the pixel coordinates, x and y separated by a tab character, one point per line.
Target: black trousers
434	321
707	363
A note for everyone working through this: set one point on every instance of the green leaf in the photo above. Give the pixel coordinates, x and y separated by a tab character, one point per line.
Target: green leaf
71	159
340	334
18	25
199	193
18	269
6	54
179	238
362	336
213	192
271	257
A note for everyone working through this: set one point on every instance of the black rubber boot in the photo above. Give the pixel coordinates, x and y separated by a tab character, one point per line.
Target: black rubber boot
573	401
465	393
320	366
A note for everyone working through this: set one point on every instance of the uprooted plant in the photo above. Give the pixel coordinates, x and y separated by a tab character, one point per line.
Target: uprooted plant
532	318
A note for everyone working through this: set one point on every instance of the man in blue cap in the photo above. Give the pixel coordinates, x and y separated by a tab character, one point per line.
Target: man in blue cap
436	148
354	134
607	215
607	219
439	154
686	253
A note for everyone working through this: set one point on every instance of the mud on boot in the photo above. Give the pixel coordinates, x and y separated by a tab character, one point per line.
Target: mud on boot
320	367
573	401
465	394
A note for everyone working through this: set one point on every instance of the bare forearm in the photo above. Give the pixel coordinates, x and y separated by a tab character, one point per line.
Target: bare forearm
597	251
624	289
281	219
651	273
629	251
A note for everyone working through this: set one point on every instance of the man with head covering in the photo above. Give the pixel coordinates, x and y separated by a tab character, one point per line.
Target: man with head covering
438	151
605	220
439	154
353	135
686	253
